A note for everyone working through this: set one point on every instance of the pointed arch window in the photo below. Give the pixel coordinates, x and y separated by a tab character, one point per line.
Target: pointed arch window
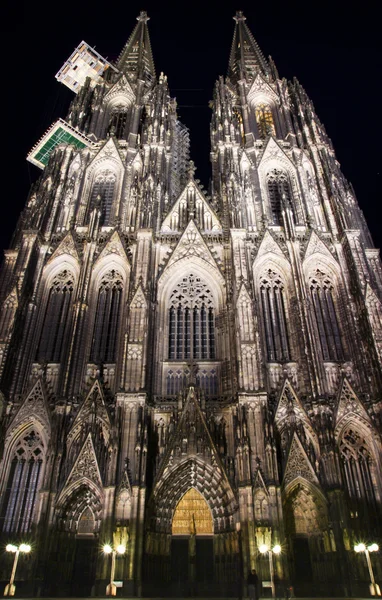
191	321
359	467
102	195
23	484
322	291
279	194
264	120
118	120
273	306
56	318
107	319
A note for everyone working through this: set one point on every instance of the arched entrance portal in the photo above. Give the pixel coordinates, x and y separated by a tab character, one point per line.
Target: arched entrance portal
192	553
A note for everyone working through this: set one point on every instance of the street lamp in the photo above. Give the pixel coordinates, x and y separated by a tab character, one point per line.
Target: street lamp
374	587
264	549
111	588
10	588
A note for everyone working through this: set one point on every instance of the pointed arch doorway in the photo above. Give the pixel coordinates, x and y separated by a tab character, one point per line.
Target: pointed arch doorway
192	553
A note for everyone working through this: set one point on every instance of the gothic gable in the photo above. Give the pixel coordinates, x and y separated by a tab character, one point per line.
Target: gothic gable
108	152
34	408
273	151
66	246
120	89
85	467
315	245
191	245
269	245
261	90
191	202
191	438
114	247
298	464
290	413
139	298
93	407
349	405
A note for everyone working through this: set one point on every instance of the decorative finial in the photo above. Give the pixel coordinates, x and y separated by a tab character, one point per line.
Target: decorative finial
143	17
239	16
191	170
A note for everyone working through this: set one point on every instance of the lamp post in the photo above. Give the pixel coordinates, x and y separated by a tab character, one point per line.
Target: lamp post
264	549
111	588
241	578
374	587
10	588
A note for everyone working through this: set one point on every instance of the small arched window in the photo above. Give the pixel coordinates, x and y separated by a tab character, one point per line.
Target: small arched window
191	321
274	316
118	120
102	195
264	120
321	290
279	194
107	319
23	484
56	318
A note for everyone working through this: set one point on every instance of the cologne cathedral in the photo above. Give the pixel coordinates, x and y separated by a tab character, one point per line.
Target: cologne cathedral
193	375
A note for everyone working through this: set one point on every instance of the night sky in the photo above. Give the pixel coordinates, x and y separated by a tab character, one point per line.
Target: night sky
334	49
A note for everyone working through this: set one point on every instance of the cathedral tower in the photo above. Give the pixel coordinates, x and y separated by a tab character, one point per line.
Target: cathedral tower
193	377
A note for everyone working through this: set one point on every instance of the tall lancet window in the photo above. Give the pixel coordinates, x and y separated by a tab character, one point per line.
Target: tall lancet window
279	194
118	120
107	319
359	467
264	120
273	305
56	318
102	195
321	290
23	483
191	321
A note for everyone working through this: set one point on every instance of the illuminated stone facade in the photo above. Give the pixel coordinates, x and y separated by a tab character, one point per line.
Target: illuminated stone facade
190	375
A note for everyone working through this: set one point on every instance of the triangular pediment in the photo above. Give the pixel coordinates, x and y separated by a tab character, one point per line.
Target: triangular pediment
93	407
34	408
269	245
259	483
291	413
121	88
349	405
371	298
114	247
298	464
244	296
315	245
108	152
191	201
124	487
86	465
273	150
191	439
139	298
66	246
192	244
261	90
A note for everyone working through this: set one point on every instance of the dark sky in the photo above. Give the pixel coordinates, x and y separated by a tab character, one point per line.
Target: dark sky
334	49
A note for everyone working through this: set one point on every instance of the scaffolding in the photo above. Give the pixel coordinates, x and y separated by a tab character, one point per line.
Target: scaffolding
84	62
58	133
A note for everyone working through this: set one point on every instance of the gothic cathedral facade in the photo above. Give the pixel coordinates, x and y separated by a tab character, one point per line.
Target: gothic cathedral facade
192	375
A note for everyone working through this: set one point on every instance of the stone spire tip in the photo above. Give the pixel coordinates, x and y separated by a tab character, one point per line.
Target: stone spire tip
143	18
239	16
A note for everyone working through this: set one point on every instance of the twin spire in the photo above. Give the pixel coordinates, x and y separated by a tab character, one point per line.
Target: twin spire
136	57
246	58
